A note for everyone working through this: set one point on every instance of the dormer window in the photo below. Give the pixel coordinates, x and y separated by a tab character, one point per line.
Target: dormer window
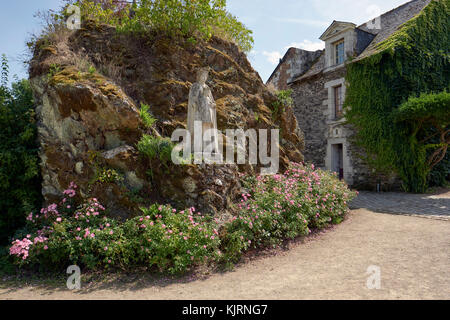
339	49
340	40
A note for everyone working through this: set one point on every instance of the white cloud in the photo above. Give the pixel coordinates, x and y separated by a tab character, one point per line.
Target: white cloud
273	57
307	45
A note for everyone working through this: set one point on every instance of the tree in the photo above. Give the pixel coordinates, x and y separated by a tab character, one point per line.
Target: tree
428	117
19	171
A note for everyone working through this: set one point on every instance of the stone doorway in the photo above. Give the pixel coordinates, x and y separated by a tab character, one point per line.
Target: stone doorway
337	159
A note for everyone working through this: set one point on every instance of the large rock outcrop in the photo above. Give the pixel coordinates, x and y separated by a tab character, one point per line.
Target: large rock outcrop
89	86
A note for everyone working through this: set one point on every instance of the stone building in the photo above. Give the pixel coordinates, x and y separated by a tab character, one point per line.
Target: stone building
319	93
294	63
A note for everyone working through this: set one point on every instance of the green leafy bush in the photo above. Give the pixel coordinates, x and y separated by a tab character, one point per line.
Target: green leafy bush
92	70
109	176
156	148
102	173
285	206
440	175
163	238
284	99
110	12
146	117
19	170
200	19
427	121
394	132
170	240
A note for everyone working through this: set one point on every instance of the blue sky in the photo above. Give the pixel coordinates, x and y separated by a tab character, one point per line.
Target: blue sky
277	25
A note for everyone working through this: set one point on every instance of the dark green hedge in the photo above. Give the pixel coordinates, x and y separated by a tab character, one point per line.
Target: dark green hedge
19	171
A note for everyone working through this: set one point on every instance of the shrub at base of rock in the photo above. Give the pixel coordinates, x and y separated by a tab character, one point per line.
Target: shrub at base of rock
273	209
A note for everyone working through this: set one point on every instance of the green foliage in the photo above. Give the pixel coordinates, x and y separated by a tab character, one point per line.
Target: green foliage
54	69
110	12
135	196
440	175
92	70
156	148
146	117
284	99
19	170
283	207
428	107
102	173
177	240
6	263
414	60
428	117
193	20
109	176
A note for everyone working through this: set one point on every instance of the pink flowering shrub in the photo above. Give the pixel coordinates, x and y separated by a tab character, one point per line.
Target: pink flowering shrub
65	233
273	209
20	248
285	206
171	240
163	238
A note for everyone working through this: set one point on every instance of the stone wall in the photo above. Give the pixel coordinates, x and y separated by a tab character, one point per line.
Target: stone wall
313	107
366	178
294	63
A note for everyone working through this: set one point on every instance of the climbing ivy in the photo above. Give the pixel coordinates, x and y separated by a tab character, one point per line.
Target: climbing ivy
284	99
413	61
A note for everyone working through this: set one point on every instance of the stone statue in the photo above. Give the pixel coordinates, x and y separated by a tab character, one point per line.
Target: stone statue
202	113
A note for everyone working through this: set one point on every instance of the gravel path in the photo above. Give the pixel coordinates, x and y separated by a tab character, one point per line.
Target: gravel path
435	206
413	254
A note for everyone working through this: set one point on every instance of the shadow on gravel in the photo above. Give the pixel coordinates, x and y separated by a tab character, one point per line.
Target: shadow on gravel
52	283
435	205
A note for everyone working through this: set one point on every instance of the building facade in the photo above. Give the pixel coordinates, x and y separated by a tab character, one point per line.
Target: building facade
319	95
294	63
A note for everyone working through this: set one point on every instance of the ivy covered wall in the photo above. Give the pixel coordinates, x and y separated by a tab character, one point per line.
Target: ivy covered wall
414	60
